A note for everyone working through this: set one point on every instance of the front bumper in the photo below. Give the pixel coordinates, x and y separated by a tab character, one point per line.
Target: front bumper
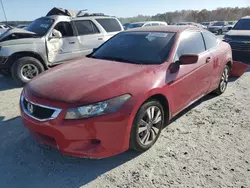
97	137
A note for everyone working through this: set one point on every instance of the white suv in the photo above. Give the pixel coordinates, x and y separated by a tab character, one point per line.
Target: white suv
146	24
60	36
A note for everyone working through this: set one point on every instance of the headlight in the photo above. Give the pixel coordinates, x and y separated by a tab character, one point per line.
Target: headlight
100	108
227	38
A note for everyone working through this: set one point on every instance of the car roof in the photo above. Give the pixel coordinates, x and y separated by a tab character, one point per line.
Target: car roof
174	29
146	22
246	17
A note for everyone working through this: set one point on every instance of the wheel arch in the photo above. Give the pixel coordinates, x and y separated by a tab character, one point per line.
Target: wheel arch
11	60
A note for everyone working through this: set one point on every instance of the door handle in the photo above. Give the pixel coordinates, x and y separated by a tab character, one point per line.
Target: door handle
208	59
100	38
72	42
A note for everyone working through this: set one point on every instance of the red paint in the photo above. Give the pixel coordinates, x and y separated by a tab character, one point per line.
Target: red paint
239	68
87	81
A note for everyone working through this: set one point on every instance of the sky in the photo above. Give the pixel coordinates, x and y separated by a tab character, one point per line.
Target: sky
20	10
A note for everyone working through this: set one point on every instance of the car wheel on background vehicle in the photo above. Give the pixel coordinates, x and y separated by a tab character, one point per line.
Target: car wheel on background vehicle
147	126
223	81
26	68
220	32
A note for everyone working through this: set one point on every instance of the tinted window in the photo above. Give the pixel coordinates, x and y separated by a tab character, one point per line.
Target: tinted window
109	24
65	28
219	24
86	27
148	25
134	25
137	47
210	40
190	43
243	24
155	24
40	26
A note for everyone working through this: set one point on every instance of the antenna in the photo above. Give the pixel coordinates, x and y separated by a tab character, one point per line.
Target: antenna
4	12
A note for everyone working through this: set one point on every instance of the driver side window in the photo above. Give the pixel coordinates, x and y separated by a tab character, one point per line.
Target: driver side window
65	28
191	42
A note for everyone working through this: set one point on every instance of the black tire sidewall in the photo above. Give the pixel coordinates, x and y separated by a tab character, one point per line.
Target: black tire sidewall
134	140
18	64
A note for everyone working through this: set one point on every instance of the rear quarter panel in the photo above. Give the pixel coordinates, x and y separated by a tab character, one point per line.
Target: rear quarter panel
221	56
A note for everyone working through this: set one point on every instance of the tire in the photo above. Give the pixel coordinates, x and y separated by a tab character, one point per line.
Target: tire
154	130
224	78
220	32
26	65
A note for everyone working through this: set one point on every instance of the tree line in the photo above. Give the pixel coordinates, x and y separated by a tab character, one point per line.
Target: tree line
220	14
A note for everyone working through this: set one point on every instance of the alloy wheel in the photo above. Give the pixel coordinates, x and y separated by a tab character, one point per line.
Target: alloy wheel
224	80
29	71
149	127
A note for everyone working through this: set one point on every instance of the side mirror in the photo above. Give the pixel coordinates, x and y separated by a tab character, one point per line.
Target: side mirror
55	34
188	59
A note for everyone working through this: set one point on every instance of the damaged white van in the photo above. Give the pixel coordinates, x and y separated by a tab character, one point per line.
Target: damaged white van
60	36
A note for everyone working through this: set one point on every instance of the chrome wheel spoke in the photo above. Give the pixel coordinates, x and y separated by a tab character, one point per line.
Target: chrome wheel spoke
157	119
153	134
145	139
142	129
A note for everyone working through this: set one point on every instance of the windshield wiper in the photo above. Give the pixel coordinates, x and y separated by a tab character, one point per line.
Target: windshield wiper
117	59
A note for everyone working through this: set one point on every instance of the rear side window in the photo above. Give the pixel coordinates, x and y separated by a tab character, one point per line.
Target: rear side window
155	24
210	40
190	43
86	27
109	24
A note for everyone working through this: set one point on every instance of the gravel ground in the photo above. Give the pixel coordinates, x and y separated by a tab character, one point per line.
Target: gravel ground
208	145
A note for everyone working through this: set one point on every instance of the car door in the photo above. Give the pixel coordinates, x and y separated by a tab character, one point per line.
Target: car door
191	81
65	47
89	36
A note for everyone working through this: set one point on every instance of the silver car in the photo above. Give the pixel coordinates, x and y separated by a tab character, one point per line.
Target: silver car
60	36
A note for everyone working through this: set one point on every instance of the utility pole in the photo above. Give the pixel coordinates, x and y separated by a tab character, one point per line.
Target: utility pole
4	12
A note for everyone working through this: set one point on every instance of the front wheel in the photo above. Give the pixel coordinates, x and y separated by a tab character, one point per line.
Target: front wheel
147	126
26	68
223	81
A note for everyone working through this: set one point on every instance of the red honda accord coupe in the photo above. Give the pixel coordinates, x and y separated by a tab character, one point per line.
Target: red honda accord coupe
121	95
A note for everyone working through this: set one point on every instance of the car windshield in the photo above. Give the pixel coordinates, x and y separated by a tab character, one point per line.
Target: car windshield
40	26
137	47
135	25
219	24
243	24
205	23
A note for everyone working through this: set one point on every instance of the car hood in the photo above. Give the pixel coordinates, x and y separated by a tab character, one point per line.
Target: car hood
16	33
239	33
78	81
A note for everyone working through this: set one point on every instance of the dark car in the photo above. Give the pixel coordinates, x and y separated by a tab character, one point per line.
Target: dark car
239	39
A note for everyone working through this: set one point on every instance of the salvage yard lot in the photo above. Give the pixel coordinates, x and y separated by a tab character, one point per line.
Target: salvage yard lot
206	146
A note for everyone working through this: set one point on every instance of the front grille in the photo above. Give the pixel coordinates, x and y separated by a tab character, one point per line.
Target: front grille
240	46
39	112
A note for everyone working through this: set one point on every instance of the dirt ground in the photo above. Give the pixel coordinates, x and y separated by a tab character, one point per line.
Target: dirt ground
208	145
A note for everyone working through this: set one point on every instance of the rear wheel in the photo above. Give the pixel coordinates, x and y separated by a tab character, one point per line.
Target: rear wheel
220	32
147	126
26	68
223	81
